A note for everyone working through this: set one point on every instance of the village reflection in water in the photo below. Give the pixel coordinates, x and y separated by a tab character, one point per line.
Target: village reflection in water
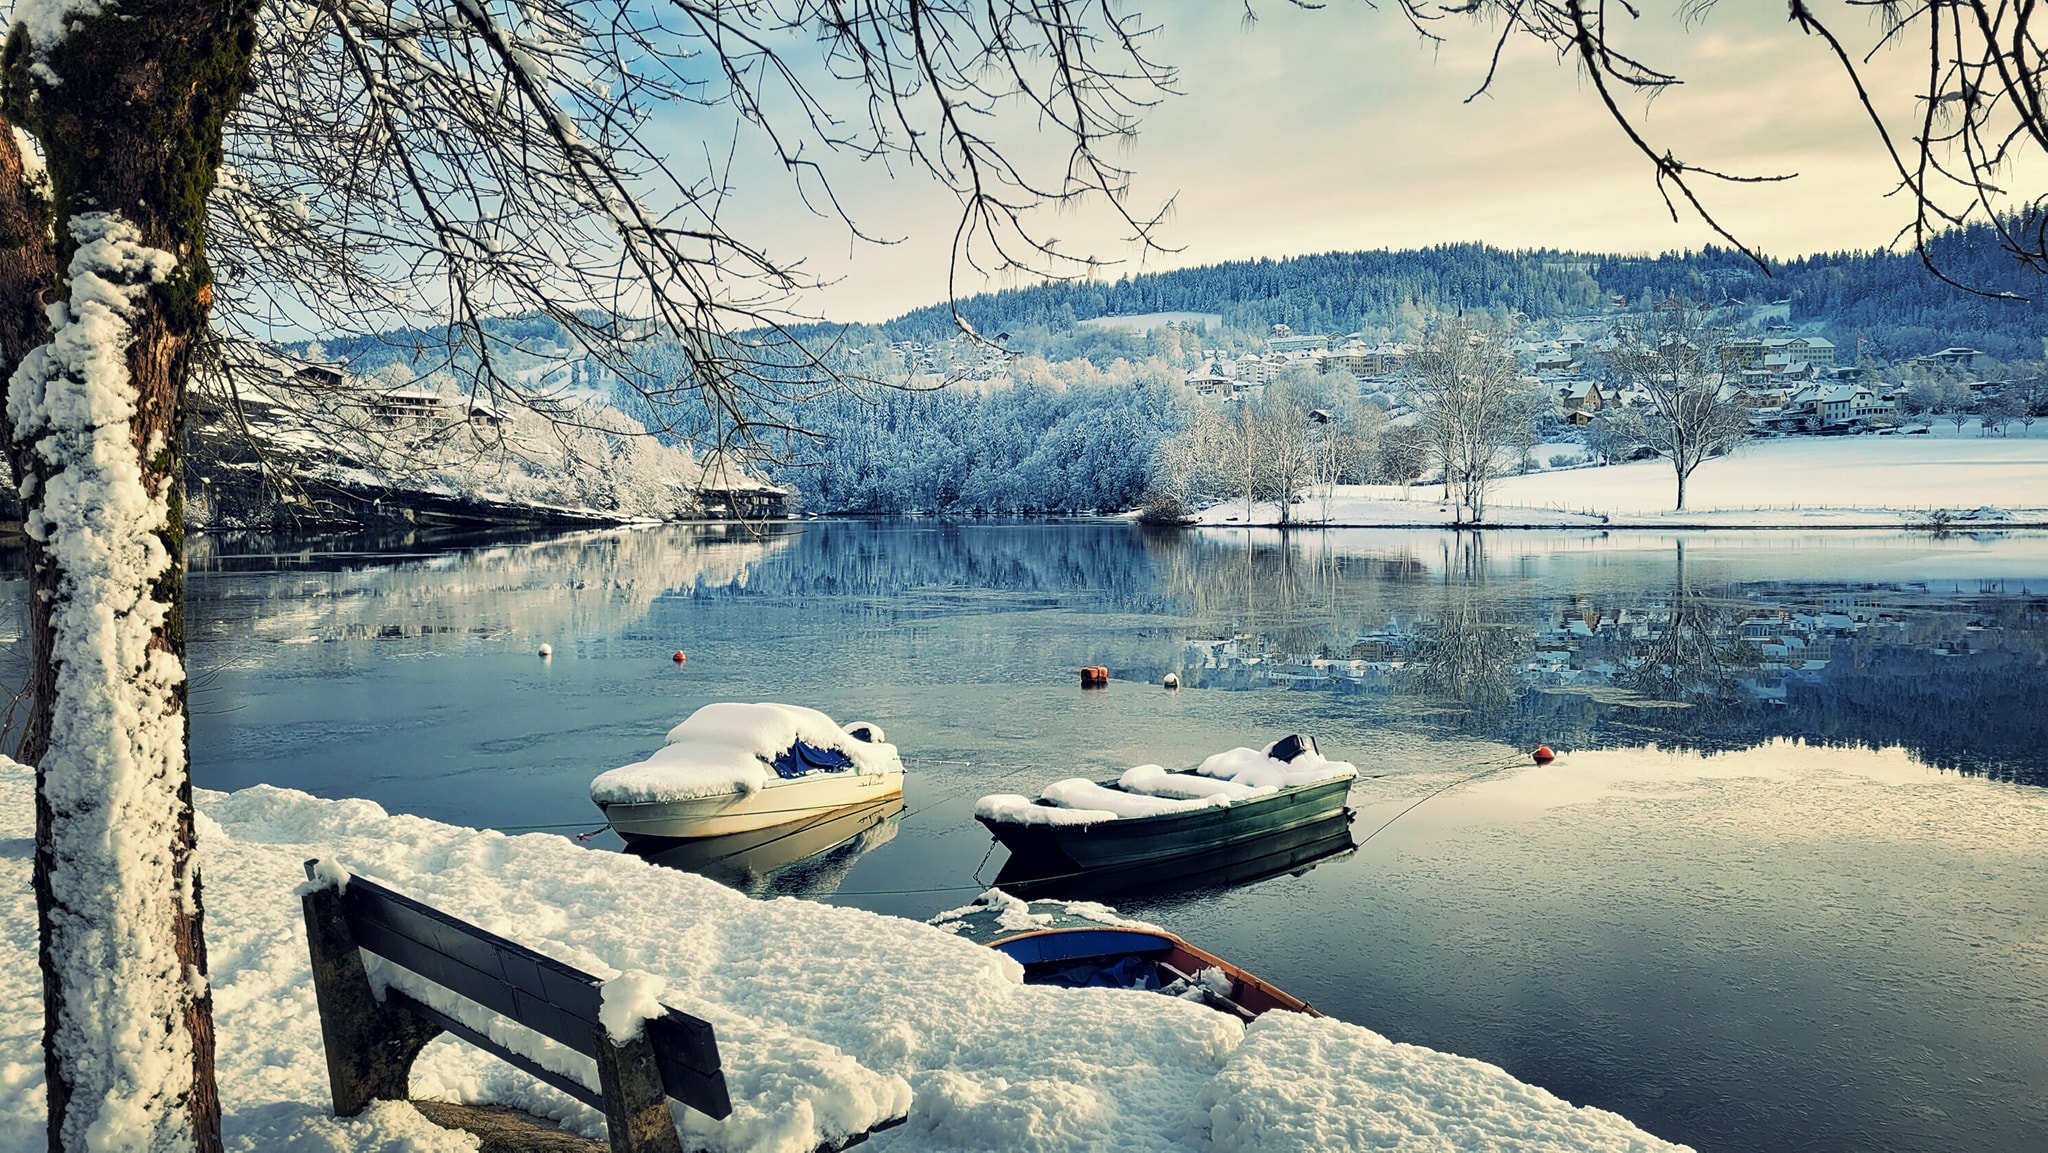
1951	670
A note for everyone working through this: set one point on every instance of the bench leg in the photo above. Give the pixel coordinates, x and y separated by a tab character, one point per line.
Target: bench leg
370	1044
635	1105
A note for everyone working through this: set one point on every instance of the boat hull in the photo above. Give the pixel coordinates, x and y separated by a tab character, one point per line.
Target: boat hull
780	803
1127	841
1068	938
1294	850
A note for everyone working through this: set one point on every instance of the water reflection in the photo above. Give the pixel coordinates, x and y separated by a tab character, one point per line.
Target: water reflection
1781	947
1294	851
1714	641
1955	674
807	858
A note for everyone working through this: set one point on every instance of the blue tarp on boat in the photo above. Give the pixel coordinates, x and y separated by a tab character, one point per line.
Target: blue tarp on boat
802	759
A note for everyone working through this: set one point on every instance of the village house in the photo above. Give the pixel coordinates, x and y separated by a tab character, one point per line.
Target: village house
397	405
729	490
1578	400
1951	358
1285	340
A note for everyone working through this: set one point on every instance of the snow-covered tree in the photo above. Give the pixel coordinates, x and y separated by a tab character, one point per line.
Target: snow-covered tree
1671	362
1476	409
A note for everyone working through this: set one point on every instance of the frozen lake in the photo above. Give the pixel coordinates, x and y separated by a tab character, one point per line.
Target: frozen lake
1733	938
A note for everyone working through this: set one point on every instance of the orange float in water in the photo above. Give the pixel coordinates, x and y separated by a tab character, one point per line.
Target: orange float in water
680	656
1094	676
1543	755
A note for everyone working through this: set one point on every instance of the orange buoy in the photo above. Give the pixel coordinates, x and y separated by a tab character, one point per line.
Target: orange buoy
1094	676
1543	755
680	656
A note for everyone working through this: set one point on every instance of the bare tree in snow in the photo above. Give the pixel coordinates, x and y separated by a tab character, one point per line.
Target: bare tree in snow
1476	409
1402	455
1286	432
1686	412
176	177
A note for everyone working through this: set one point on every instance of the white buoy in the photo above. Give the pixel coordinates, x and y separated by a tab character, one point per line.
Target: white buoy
1171	681
547	650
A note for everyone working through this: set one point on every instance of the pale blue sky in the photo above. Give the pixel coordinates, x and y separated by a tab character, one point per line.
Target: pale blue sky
1335	129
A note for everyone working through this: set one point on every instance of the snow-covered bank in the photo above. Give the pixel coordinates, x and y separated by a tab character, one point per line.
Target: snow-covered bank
824	1014
1793	482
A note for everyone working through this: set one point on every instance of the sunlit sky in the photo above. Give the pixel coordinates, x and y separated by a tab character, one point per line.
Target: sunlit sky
1334	129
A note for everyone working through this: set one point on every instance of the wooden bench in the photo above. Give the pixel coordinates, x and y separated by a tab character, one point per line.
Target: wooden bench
371	1044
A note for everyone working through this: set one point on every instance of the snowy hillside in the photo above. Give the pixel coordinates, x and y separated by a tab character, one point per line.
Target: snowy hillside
336	442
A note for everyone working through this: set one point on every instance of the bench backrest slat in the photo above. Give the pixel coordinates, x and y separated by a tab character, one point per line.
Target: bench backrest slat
554	999
535	979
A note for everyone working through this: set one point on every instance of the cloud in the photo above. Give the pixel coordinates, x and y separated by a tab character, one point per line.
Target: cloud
1320	130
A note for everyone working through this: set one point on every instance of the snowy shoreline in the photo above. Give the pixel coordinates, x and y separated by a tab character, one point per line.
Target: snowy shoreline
825	1014
1960	483
1538	520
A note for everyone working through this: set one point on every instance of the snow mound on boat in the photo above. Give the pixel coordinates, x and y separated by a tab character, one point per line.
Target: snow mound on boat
1154	791
1257	768
1015	809
726	748
1021	916
1157	781
1081	793
1317	1083
1079	801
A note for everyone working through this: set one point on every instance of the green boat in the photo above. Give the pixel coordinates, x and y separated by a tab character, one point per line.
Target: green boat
1149	814
1290	852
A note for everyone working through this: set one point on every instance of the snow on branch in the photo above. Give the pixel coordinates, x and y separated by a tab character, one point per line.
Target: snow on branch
442	166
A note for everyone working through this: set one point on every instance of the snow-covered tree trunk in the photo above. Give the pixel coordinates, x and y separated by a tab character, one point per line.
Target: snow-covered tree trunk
113	134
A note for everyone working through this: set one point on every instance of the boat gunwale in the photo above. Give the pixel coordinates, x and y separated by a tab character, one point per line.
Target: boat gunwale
739	793
1180	814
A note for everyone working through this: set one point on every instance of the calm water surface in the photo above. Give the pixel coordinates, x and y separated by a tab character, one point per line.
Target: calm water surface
1785	889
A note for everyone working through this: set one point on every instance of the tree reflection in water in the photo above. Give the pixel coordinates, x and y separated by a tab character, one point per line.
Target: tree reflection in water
1522	649
1711	641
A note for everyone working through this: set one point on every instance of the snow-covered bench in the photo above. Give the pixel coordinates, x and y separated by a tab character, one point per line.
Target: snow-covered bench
371	1043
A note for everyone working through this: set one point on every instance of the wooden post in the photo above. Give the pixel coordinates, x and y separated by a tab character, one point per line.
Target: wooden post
370	1044
635	1104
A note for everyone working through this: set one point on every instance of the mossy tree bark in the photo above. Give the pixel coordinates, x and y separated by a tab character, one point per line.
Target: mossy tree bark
128	107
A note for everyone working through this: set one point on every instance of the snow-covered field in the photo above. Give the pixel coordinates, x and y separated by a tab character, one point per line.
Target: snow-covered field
826	1016
1787	482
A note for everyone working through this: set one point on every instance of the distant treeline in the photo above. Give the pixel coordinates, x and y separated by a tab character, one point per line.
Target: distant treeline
1890	300
1030	448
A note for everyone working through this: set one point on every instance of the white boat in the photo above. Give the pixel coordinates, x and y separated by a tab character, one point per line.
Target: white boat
734	768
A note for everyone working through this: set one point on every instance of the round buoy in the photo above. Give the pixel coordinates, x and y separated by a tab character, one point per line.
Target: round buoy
1543	755
547	650
1171	680
680	656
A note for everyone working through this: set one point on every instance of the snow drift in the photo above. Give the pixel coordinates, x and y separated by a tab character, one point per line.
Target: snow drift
824	1014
